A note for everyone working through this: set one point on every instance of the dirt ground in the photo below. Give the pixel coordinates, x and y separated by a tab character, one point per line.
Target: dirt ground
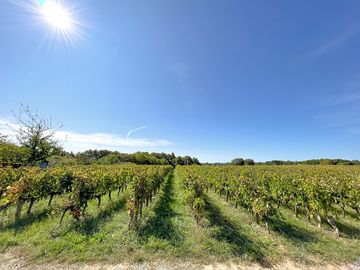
12	261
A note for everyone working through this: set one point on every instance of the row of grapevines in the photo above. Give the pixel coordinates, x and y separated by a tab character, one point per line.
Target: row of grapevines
318	191
80	183
147	181
92	183
30	184
194	190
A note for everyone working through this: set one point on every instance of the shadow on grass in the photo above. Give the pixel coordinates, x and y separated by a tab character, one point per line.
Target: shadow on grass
160	225
90	225
224	230
348	230
350	213
26	220
293	232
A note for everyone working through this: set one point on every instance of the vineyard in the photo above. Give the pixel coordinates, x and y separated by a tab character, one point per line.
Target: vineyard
323	193
256	213
82	184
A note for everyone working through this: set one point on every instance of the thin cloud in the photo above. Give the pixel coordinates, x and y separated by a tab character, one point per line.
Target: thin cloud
74	141
333	43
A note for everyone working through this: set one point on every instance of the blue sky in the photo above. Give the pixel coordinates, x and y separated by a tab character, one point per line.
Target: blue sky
212	79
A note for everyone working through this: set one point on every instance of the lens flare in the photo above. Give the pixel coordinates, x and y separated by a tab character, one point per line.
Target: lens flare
56	15
42	2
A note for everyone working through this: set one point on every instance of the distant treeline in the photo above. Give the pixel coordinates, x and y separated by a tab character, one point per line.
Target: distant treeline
235	161
114	157
323	161
250	162
16	156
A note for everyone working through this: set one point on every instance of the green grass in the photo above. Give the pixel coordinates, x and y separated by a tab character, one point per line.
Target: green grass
169	232
292	238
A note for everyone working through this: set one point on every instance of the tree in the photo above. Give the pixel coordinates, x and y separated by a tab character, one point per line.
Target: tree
188	160
37	134
249	162
180	161
196	161
171	159
238	161
110	159
326	162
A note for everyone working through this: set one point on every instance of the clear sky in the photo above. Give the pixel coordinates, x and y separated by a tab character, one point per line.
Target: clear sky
213	79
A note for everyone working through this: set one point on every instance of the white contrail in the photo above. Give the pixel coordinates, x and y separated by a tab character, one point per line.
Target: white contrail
134	130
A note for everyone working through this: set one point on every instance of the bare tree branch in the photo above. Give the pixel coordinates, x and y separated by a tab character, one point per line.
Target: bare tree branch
37	133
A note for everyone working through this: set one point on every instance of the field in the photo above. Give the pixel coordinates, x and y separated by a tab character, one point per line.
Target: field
263	215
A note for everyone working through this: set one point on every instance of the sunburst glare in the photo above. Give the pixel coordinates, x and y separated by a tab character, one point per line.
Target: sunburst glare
59	20
56	15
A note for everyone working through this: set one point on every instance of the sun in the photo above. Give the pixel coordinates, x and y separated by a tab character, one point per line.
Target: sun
56	15
61	18
61	22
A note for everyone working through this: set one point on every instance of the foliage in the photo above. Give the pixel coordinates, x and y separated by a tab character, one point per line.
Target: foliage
312	162
144	186
168	230
36	133
110	159
81	183
62	160
194	191
238	161
318	191
13	155
141	158
249	162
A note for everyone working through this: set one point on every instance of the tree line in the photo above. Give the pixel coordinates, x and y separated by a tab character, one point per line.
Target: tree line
114	157
322	161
